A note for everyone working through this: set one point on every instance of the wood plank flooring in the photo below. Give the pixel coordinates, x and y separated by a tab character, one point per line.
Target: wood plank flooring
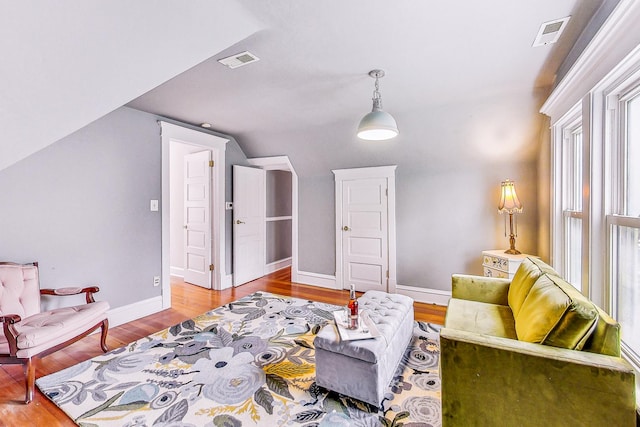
187	301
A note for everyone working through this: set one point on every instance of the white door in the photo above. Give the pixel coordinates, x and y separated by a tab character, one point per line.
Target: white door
365	256
249	245
197	218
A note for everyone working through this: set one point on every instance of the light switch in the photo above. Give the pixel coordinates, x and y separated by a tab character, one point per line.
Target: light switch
154	205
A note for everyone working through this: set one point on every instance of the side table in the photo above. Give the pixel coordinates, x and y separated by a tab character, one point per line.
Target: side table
496	263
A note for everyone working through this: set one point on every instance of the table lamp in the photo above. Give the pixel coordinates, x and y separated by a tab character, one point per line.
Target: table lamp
509	203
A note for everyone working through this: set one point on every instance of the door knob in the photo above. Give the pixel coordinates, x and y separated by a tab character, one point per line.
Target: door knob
239	222
346	228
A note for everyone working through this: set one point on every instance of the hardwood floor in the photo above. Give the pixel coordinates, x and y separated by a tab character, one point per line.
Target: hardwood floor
187	301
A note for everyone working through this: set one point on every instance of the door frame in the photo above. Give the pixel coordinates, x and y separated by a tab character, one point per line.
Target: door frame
385	172
217	146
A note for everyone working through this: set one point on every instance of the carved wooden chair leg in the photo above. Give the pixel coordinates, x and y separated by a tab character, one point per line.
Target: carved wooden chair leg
30	379
103	337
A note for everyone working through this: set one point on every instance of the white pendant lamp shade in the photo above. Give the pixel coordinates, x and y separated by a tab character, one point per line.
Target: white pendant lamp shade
377	125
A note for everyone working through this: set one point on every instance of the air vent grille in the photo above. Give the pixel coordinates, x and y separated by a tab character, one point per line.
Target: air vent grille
239	59
550	32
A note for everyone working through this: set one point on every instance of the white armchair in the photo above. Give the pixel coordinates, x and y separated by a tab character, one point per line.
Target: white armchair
28	332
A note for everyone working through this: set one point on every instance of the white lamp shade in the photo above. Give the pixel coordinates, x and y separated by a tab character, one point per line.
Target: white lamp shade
377	126
509	201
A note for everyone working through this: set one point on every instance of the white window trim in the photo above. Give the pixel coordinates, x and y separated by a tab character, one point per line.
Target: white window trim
560	130
611	57
623	221
604	115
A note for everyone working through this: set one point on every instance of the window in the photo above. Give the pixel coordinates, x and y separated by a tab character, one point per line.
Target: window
595	222
572	204
567	196
624	220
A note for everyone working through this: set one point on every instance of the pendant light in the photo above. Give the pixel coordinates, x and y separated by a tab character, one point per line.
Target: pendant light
378	125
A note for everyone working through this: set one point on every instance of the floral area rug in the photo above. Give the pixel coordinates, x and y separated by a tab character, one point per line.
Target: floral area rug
250	362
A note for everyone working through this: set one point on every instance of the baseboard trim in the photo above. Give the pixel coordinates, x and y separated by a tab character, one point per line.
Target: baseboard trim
277	265
121	315
425	295
176	271
316	279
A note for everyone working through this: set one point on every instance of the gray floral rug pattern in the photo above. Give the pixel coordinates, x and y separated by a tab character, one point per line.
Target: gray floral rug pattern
250	362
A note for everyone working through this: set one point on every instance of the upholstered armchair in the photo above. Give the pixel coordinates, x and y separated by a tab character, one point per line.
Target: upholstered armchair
30	333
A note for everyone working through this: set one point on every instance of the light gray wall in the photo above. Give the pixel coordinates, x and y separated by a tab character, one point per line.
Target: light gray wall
316	219
278	240
447	188
446	215
450	161
278	193
81	208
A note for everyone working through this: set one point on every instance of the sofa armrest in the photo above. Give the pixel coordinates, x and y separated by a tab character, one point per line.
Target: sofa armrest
478	288
89	291
489	381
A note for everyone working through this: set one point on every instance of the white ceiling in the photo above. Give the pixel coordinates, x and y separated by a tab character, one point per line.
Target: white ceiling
67	63
462	79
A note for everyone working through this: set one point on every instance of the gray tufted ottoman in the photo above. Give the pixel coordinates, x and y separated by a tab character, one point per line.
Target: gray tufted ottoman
363	369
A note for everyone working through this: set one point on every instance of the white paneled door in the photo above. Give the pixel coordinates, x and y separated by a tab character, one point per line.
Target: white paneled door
249	247
365	260
197	218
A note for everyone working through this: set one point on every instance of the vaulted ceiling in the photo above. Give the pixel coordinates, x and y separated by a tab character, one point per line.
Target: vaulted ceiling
67	63
462	79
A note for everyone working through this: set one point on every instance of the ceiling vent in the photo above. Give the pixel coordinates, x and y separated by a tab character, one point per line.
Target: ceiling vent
550	31
239	59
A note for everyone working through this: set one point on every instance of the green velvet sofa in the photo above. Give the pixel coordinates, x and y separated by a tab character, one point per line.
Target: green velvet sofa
531	351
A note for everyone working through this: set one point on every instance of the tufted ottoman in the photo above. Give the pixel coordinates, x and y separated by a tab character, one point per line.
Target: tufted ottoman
363	369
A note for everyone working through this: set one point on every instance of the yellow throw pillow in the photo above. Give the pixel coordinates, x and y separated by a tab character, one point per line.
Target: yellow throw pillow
526	275
605	338
555	313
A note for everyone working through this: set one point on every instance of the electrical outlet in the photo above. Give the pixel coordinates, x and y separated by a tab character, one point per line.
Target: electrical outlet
156	280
